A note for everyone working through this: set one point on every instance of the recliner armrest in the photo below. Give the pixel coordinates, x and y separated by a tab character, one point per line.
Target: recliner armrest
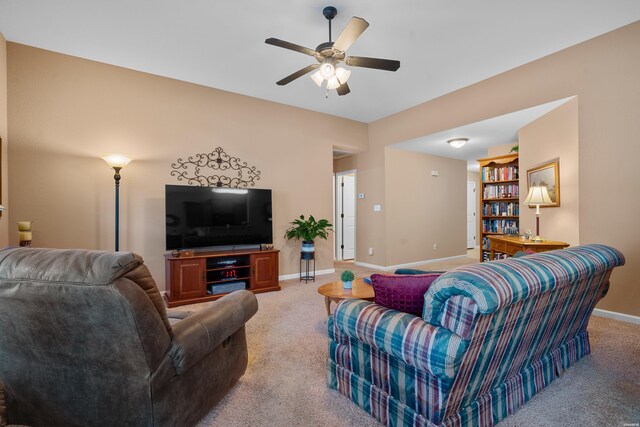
201	332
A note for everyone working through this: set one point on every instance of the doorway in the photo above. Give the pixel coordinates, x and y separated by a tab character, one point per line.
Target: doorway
471	214
345	223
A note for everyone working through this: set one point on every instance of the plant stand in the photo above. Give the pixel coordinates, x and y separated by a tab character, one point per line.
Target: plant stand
306	258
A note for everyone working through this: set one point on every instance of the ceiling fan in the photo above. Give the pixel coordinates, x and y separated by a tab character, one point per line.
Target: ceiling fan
330	54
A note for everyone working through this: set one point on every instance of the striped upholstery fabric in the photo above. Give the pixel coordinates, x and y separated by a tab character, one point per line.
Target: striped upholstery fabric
458	315
491	336
403	336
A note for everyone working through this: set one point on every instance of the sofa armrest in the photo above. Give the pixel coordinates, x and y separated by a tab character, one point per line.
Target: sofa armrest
201	332
407	337
494	285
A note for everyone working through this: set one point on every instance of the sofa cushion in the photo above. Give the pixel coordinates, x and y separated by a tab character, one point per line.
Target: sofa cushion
402	292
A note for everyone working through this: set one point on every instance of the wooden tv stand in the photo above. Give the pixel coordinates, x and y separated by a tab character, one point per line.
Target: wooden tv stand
207	276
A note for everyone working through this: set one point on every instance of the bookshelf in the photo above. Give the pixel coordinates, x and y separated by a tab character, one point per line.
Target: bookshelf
499	199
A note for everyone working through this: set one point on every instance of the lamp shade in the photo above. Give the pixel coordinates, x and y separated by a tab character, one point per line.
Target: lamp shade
116	160
327	70
333	83
343	74
317	78
538	195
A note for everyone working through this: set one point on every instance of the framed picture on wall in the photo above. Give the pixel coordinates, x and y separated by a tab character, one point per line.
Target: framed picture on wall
548	175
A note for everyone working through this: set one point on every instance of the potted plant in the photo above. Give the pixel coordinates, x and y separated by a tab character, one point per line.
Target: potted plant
307	230
347	277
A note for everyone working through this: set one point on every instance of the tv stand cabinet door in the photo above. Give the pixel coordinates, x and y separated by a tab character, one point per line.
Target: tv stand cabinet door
264	272
187	278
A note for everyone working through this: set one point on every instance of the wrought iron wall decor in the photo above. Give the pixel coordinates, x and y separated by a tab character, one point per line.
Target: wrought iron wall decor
194	170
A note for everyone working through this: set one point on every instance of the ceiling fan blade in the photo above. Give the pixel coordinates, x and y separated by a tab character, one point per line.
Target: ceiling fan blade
290	46
343	89
351	32
377	63
297	74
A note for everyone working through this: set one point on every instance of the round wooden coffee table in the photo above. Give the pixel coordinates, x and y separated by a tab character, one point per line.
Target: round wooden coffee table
336	292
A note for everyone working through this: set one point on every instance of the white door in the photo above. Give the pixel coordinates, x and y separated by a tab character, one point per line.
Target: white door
345	225
471	215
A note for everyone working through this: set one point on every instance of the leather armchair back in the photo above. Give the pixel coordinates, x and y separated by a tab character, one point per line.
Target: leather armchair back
115	329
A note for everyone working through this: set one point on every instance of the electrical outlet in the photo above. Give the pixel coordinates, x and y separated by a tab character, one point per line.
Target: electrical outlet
370	251
435	246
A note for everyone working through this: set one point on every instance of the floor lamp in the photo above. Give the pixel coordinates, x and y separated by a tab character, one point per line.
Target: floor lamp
117	162
538	196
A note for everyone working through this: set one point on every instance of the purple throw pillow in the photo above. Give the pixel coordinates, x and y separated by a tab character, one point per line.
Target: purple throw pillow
402	292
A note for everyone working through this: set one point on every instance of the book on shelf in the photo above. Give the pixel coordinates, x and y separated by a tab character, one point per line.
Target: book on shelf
501	209
504	173
485	244
498	191
500	226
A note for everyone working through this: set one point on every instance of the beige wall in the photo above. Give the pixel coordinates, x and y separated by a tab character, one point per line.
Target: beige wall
423	210
554	135
603	73
344	164
416	208
4	221
500	150
370	225
64	112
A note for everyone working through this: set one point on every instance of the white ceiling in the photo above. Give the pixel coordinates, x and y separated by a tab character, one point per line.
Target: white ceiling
442	45
482	135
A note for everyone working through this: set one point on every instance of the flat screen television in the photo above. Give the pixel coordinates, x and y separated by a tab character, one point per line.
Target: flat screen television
214	217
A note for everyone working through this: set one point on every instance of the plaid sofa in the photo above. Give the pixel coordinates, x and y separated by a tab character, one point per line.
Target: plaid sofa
491	336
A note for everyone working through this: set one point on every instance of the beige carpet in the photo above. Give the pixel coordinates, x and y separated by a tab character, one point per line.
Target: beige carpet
285	381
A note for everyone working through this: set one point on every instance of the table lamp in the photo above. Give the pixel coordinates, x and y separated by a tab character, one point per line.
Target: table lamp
538	196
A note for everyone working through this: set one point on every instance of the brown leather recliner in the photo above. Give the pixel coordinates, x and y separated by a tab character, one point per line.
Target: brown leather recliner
85	340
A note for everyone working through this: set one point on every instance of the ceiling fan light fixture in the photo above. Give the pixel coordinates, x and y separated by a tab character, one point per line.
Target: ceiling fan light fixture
343	74
333	83
458	142
317	78
327	70
333	53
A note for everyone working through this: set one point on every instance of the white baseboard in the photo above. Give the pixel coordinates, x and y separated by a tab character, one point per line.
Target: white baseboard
297	275
406	265
375	267
617	316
